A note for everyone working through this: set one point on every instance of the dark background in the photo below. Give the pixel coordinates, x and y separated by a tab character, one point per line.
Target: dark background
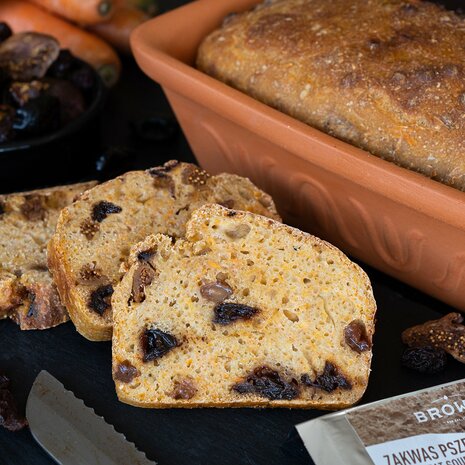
199	436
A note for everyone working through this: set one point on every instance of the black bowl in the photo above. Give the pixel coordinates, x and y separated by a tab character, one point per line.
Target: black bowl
61	157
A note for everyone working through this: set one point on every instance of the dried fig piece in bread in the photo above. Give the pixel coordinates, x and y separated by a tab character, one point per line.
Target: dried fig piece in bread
102	209
329	380
268	383
143	277
156	343
229	312
356	337
125	372
100	299
216	291
183	389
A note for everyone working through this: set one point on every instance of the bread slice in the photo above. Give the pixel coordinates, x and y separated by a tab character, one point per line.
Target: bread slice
245	312
27	221
94	235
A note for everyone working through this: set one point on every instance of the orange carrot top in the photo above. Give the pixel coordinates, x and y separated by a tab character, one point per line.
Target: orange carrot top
79	11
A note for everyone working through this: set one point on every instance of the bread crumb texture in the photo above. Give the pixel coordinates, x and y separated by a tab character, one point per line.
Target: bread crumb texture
244	311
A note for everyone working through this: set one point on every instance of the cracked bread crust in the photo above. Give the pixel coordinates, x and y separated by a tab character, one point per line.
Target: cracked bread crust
27	221
243	312
386	76
93	236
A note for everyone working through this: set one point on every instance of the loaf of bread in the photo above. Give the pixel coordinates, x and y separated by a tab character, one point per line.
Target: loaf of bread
243	312
27	221
94	235
385	75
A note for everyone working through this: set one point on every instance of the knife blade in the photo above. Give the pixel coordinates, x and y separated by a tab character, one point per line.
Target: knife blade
71	432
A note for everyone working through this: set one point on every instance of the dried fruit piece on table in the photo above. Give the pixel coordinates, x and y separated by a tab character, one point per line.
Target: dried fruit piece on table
9	415
28	55
425	359
447	333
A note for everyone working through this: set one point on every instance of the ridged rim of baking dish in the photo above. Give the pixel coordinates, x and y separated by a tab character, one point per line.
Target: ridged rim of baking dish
154	44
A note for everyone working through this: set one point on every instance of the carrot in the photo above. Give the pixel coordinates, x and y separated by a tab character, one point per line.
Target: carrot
24	16
118	29
149	7
79	11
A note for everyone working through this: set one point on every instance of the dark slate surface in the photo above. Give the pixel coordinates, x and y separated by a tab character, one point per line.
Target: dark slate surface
202	436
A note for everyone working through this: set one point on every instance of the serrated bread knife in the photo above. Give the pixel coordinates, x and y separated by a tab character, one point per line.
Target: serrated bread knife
71	432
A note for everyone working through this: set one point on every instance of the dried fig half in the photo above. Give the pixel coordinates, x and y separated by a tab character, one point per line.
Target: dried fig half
447	333
28	55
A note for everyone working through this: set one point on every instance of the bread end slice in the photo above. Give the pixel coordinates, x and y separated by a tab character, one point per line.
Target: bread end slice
27	221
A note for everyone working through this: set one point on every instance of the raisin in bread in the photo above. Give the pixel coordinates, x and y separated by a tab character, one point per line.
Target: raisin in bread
27	221
244	311
94	235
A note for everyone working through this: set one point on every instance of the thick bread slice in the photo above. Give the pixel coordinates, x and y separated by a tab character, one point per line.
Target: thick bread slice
27	221
94	235
245	312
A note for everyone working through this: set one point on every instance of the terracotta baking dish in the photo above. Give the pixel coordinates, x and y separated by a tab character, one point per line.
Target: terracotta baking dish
396	220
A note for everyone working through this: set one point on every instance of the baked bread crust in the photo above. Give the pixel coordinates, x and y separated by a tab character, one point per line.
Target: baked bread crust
386	76
93	236
27	221
296	296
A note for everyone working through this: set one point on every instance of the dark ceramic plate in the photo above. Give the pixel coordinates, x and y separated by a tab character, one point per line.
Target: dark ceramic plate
60	157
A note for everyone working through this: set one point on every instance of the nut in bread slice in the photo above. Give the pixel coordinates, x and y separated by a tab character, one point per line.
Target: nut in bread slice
94	235
243	312
27	221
